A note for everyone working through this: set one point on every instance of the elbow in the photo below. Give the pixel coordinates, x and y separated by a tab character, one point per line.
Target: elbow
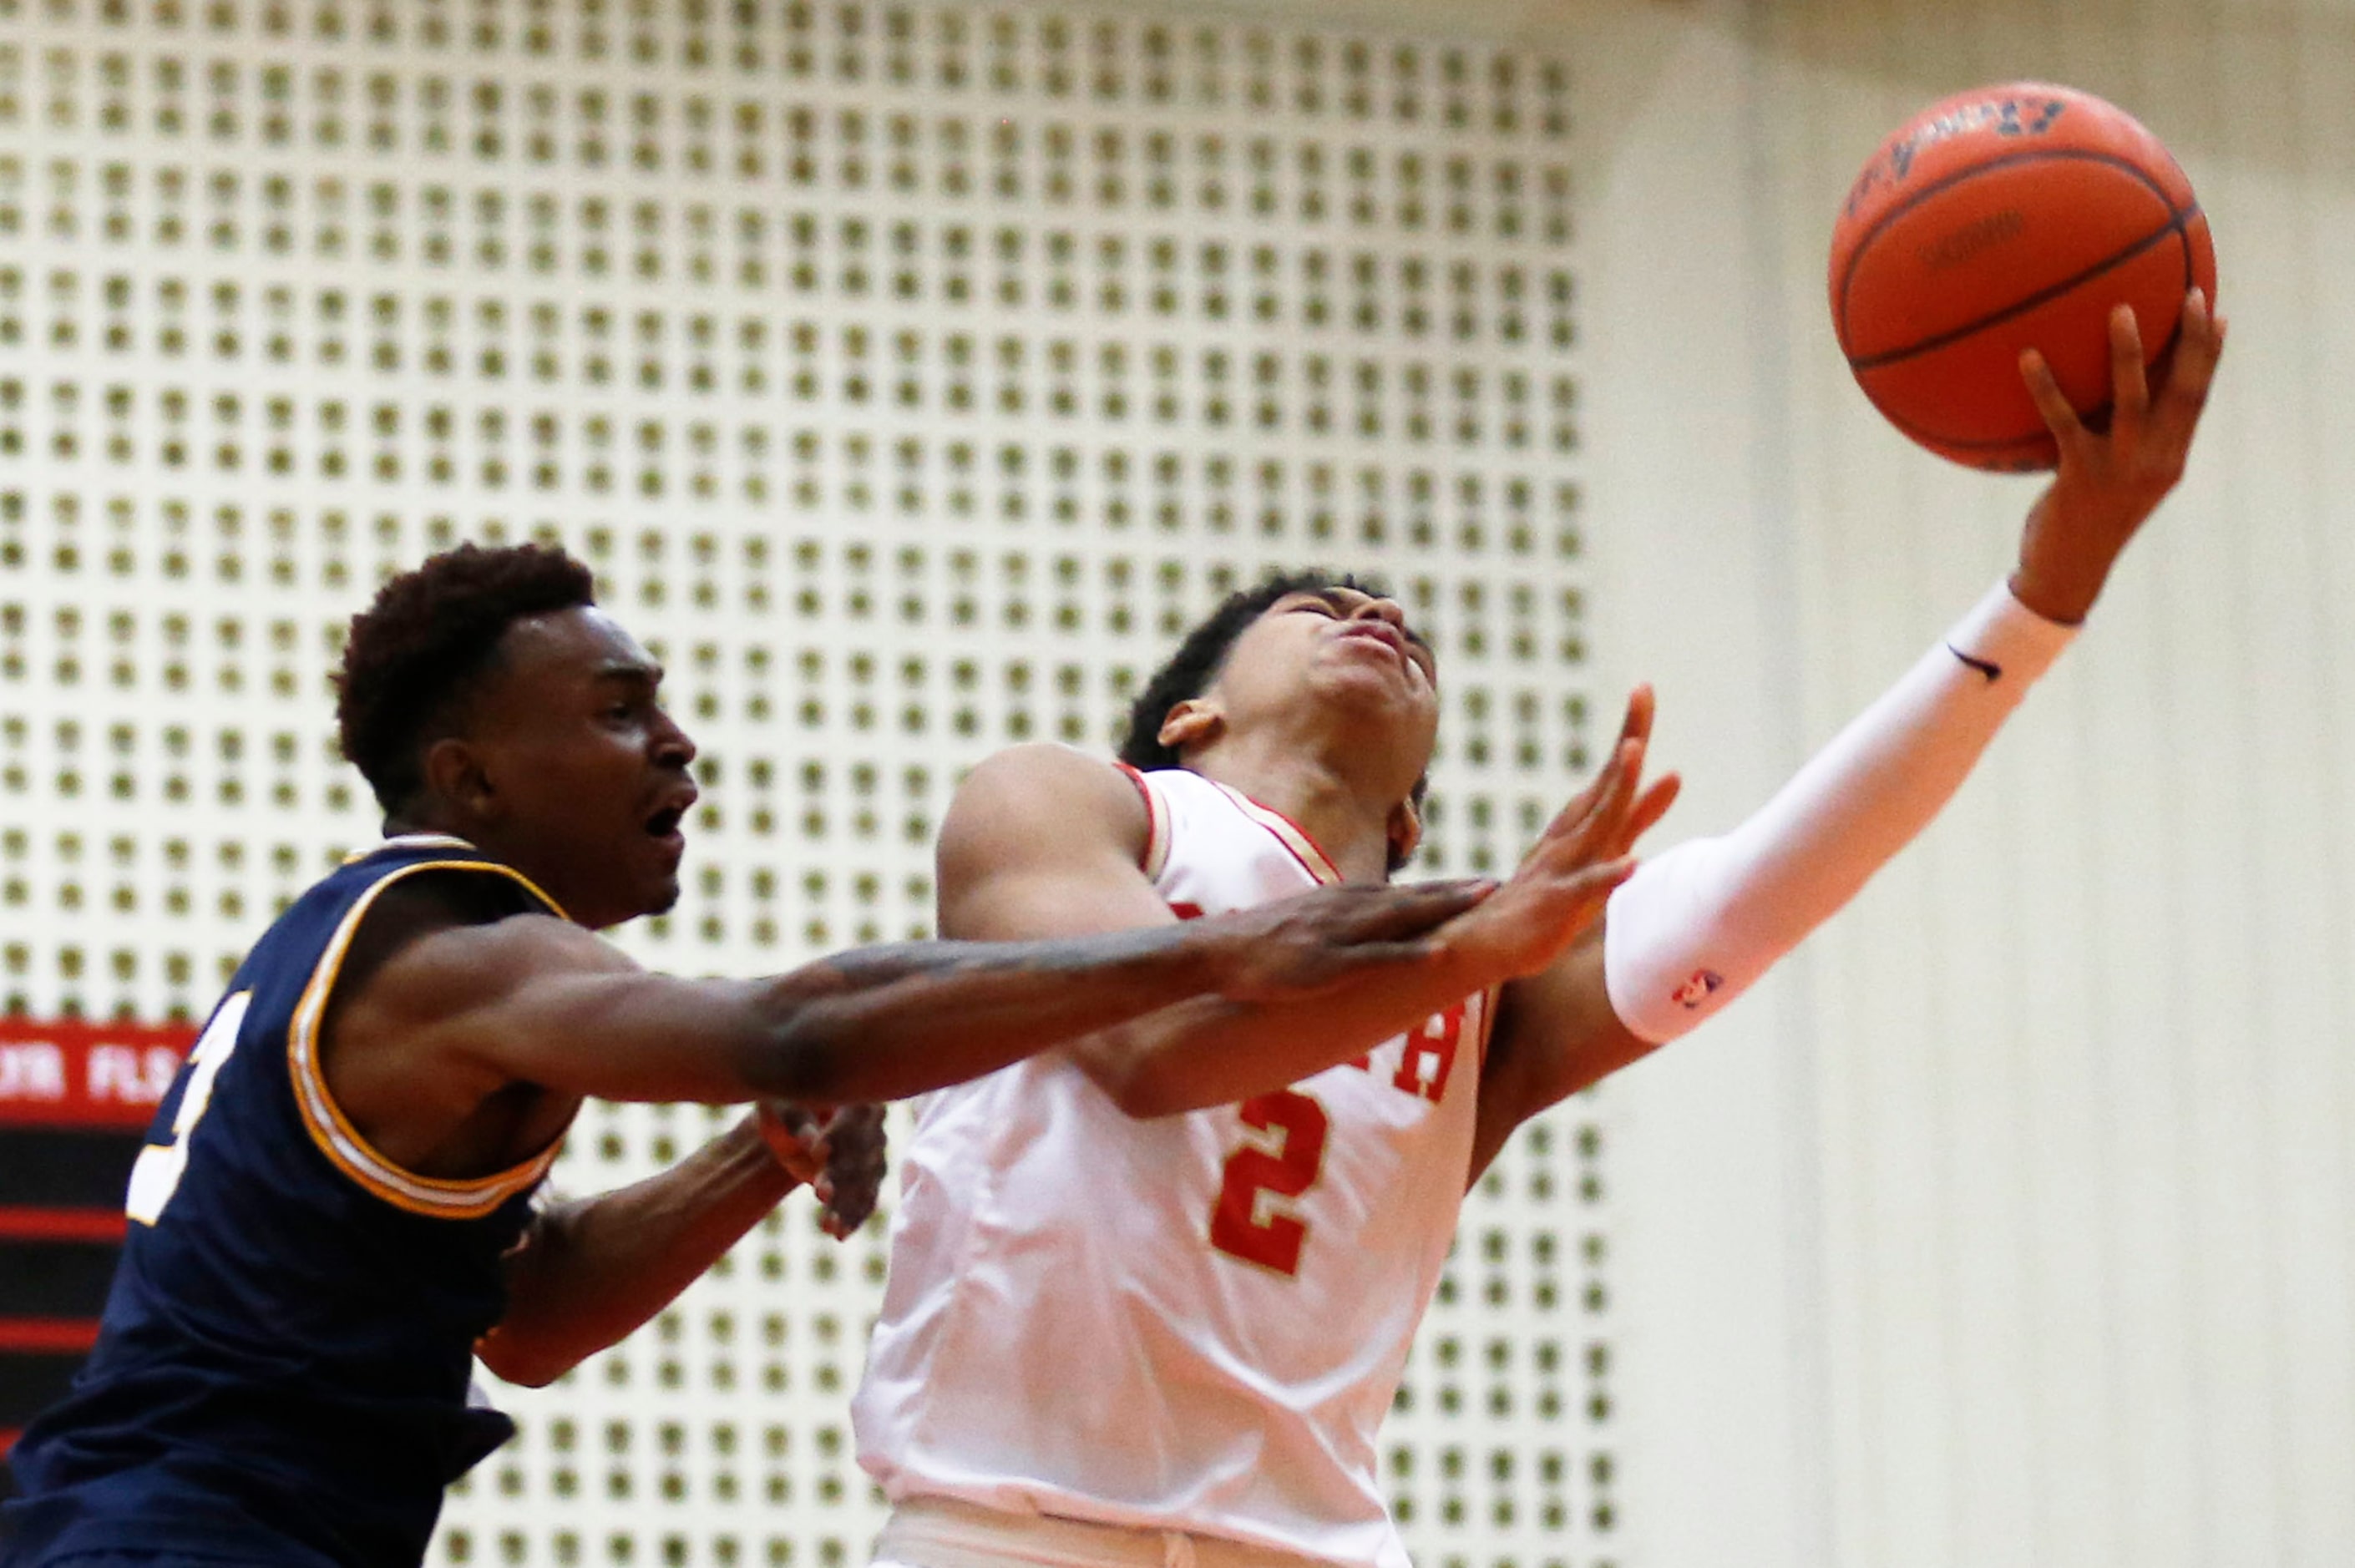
1143	1090
802	1058
513	1358
1149	1102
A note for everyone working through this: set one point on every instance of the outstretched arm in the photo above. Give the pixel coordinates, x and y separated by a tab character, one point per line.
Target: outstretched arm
529	998
1699	923
589	1272
1041	840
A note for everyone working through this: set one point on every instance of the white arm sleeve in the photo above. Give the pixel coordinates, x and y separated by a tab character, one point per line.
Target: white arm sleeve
1697	925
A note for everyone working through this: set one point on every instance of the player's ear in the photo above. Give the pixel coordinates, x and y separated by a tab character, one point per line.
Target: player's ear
1193	722
1405	830
455	775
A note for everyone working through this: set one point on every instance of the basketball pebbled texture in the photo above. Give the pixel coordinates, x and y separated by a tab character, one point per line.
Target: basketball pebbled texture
1999	219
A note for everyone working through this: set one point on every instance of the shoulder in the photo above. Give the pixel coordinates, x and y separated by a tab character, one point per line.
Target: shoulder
1026	788
1043	841
445	941
440	963
1064	771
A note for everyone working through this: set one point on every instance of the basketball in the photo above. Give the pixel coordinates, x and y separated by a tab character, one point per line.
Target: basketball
2001	219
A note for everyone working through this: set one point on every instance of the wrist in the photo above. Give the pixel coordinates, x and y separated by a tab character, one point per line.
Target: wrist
753	1161
2066	551
1203	958
2012	631
1460	962
2062	601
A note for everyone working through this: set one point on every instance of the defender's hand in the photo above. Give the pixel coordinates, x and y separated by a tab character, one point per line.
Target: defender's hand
854	1146
1568	877
1300	947
795	1136
837	1152
2110	481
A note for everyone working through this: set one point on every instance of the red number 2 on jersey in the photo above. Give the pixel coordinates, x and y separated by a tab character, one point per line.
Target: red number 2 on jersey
1287	1170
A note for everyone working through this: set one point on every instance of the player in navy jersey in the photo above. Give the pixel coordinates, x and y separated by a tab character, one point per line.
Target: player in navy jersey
335	1211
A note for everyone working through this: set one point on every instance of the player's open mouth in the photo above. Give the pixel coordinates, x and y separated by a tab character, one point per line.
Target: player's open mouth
664	825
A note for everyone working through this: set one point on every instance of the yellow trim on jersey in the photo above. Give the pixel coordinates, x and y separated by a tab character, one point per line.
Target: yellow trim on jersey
336	1135
1287	832
1156	858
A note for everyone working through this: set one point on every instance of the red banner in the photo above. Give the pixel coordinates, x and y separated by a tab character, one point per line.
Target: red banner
48	1336
71	1073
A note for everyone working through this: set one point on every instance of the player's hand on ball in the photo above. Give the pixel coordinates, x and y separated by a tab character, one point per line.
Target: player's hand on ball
1564	882
1304	946
2110	481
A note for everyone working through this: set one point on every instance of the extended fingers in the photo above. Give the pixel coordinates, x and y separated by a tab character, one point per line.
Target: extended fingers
1658	796
1637	725
854	1176
847	1210
1429	903
2197	347
1584	892
1624	777
1577	808
1409	910
856	1130
1594	823
1597	881
2130	382
2051	404
1645	805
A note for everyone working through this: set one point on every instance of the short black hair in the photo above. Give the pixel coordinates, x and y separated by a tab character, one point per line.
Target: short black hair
1198	658
1204	652
412	654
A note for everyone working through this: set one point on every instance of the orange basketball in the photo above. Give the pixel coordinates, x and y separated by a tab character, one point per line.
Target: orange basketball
2006	218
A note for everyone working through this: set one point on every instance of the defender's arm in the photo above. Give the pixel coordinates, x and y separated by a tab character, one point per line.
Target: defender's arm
589	1272
1042	840
468	1006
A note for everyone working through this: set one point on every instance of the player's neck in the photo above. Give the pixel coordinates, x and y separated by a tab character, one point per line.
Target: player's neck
412	823
1347	816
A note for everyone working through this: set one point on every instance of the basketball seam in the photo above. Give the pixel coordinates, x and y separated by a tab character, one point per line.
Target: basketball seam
2025	155
1983	444
1990	443
2177	224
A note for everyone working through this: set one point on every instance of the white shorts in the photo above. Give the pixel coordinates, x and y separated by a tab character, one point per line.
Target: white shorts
943	1532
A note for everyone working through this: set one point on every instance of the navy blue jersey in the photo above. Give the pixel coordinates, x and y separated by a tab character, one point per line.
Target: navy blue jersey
281	1374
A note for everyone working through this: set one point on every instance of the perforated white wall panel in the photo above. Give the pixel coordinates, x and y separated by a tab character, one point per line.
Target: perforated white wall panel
912	374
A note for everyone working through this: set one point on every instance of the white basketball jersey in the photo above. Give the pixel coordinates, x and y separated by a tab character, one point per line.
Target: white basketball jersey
1191	1323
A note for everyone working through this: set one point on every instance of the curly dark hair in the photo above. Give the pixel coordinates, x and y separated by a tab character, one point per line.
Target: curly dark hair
413	654
1197	662
1199	658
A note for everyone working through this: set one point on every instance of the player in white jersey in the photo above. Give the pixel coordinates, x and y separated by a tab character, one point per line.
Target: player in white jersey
1151	1293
